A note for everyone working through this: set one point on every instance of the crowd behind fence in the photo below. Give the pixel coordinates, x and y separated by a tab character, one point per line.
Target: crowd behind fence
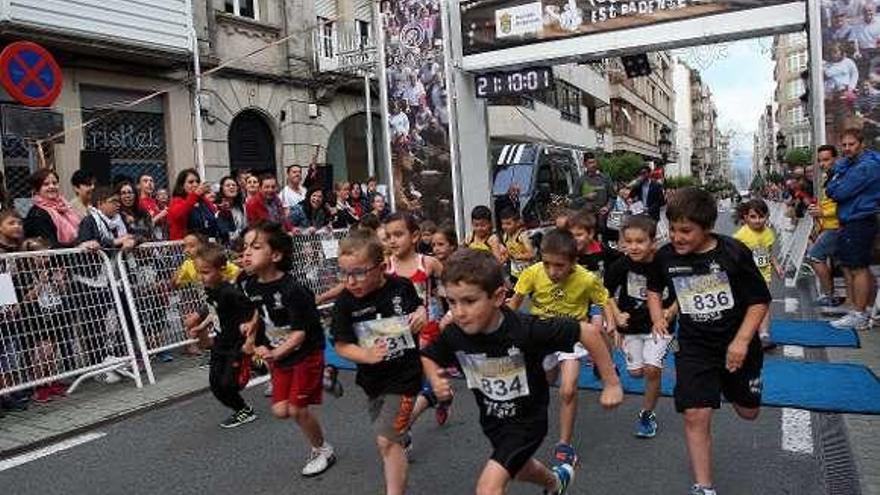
74	313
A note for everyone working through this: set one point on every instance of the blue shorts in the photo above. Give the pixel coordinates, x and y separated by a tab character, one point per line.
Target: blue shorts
825	246
856	242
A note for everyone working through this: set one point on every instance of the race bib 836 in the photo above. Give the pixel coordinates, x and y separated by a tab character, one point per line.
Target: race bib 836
704	294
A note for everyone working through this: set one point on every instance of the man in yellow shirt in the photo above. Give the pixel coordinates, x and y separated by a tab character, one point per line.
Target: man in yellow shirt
556	287
824	211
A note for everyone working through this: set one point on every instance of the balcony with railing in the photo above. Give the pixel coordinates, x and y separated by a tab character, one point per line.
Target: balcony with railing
348	47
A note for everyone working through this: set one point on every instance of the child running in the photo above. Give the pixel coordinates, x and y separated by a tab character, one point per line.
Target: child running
722	299
481	237
403	238
626	280
590	253
290	338
500	353
559	287
374	321
237	316
517	243
760	239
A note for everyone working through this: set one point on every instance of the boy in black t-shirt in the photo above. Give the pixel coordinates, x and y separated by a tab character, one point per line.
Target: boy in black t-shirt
374	322
231	309
290	337
501	354
626	280
722	299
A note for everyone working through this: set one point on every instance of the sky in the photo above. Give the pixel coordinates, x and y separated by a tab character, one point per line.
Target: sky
740	75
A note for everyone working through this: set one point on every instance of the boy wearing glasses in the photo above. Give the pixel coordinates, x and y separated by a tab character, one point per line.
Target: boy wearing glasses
374	322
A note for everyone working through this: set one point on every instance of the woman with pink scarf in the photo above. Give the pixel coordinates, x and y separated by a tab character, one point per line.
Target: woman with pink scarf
51	217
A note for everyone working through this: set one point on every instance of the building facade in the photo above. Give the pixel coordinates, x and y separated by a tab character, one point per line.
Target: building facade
642	106
684	130
790	55
569	114
764	152
723	156
704	116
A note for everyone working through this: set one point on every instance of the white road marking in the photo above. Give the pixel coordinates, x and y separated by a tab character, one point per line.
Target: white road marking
797	431
49	450
791	304
793	351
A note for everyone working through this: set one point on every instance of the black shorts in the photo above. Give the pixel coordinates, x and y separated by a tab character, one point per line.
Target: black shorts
702	378
513	444
855	242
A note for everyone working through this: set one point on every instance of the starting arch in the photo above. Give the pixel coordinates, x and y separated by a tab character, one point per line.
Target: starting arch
428	64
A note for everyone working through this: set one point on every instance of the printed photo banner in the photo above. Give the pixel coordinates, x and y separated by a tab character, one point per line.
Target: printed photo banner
415	82
493	25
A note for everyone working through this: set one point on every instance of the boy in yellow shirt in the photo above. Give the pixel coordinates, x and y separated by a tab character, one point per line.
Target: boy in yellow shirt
760	239
517	243
481	237
556	287
187	274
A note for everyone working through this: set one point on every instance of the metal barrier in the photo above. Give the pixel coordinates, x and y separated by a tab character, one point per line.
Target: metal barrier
316	259
793	257
61	316
158	304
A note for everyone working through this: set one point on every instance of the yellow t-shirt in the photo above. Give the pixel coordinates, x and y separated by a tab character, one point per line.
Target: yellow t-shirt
187	274
829	220
572	297
761	244
517	245
473	243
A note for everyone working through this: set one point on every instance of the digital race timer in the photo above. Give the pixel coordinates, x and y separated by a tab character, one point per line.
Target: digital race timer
514	82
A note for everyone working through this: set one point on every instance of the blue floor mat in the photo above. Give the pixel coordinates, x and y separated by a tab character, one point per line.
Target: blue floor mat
824	387
811	334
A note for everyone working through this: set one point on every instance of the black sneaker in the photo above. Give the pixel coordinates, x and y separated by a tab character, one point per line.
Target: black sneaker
239	418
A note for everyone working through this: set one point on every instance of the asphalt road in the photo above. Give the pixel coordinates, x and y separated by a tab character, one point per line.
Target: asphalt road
180	449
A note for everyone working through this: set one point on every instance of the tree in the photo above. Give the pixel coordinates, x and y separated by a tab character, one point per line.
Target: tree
621	167
679	182
757	183
798	157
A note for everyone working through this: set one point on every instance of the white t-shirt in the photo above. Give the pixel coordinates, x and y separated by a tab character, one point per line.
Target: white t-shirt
290	197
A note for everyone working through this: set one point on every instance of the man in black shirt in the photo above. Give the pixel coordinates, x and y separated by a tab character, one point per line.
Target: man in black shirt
722	299
501	354
374	321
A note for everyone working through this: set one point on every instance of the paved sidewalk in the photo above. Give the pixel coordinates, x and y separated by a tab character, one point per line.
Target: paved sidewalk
863	430
95	403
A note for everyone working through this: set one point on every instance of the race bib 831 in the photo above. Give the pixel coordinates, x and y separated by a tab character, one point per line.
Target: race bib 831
704	294
394	332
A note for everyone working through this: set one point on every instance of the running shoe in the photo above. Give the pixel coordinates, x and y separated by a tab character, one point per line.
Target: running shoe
441	412
564	454
564	477
331	381
702	490
829	301
646	426
239	418
165	357
42	394
848	321
57	389
320	460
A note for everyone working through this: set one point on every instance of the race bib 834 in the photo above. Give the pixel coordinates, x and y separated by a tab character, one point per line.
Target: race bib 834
499	379
704	294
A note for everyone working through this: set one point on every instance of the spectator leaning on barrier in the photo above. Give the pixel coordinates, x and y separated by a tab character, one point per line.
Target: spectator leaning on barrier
188	211
294	191
824	249
51	217
137	221
855	185
83	183
98	227
266	206
310	212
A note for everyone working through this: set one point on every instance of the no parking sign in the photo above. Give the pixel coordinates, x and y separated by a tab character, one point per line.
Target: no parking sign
30	74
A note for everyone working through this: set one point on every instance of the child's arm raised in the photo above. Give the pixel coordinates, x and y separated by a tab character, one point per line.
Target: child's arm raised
591	338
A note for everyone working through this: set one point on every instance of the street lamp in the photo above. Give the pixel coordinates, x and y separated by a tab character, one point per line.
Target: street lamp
781	148
664	143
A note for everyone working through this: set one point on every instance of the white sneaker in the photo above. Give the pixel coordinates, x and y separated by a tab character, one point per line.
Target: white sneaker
863	322
320	460
848	321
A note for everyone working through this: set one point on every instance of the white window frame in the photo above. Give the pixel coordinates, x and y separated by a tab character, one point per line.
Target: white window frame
236	9
327	40
795	89
359	26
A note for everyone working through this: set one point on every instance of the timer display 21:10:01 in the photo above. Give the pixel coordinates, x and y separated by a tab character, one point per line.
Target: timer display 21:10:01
513	83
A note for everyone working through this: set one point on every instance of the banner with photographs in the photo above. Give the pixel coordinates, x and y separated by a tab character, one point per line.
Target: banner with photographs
493	25
418	108
851	66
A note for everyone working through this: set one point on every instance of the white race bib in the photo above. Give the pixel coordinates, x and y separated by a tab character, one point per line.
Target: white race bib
499	379
615	219
762	257
704	294
637	286
394	332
